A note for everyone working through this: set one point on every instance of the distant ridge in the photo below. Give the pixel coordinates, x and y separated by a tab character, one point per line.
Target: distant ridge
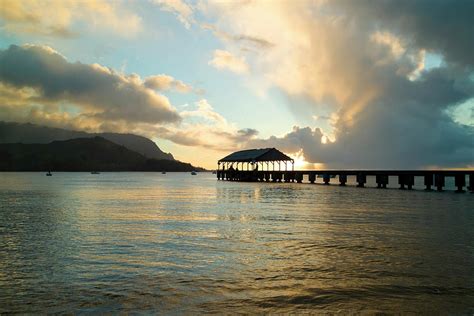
82	154
27	133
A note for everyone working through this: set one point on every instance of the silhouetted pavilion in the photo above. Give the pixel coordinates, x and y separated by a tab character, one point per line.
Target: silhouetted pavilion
256	159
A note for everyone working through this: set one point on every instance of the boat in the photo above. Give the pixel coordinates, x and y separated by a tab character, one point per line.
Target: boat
163	172
49	174
95	172
193	173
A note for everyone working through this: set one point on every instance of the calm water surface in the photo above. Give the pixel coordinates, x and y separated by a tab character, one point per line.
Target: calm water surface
176	243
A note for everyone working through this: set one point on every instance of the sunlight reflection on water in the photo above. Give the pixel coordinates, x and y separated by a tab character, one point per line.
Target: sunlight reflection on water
119	242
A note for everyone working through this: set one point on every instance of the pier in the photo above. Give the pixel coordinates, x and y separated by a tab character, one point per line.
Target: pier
271	165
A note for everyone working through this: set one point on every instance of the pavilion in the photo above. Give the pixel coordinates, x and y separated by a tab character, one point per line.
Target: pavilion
256	159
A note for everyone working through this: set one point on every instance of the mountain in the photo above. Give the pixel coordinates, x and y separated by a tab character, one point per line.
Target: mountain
28	133
81	154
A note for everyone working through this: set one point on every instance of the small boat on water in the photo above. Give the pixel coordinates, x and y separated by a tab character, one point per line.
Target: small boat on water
163	172
49	174
193	173
95	172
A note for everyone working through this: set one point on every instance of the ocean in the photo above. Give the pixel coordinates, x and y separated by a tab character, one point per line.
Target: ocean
180	244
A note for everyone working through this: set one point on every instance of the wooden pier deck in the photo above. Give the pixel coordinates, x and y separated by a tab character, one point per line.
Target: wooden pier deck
406	178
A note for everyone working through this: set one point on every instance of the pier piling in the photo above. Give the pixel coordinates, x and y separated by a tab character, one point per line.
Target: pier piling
460	182
326	178
299	177
381	180
428	182
410	181
439	182
471	183
342	179
401	181
361	179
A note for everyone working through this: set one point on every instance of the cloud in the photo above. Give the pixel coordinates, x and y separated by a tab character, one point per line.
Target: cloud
57	17
247	132
39	85
205	111
49	82
239	38
182	10
226	60
419	22
363	64
204	127
165	82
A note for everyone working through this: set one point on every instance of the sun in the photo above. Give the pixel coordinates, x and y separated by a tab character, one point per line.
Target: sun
299	160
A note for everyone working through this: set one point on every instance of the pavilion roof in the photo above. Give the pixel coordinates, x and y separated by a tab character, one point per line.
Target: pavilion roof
262	154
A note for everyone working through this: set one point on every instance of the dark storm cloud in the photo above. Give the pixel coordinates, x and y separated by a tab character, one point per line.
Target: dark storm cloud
100	91
442	26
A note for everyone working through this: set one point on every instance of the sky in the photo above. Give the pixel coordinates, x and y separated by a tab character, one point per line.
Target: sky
335	84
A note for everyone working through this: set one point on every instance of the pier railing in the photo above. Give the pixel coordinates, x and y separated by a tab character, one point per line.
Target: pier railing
406	178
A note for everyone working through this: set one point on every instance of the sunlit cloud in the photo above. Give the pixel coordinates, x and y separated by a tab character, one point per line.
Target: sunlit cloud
204	127
97	92
223	59
182	10
165	82
56	18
